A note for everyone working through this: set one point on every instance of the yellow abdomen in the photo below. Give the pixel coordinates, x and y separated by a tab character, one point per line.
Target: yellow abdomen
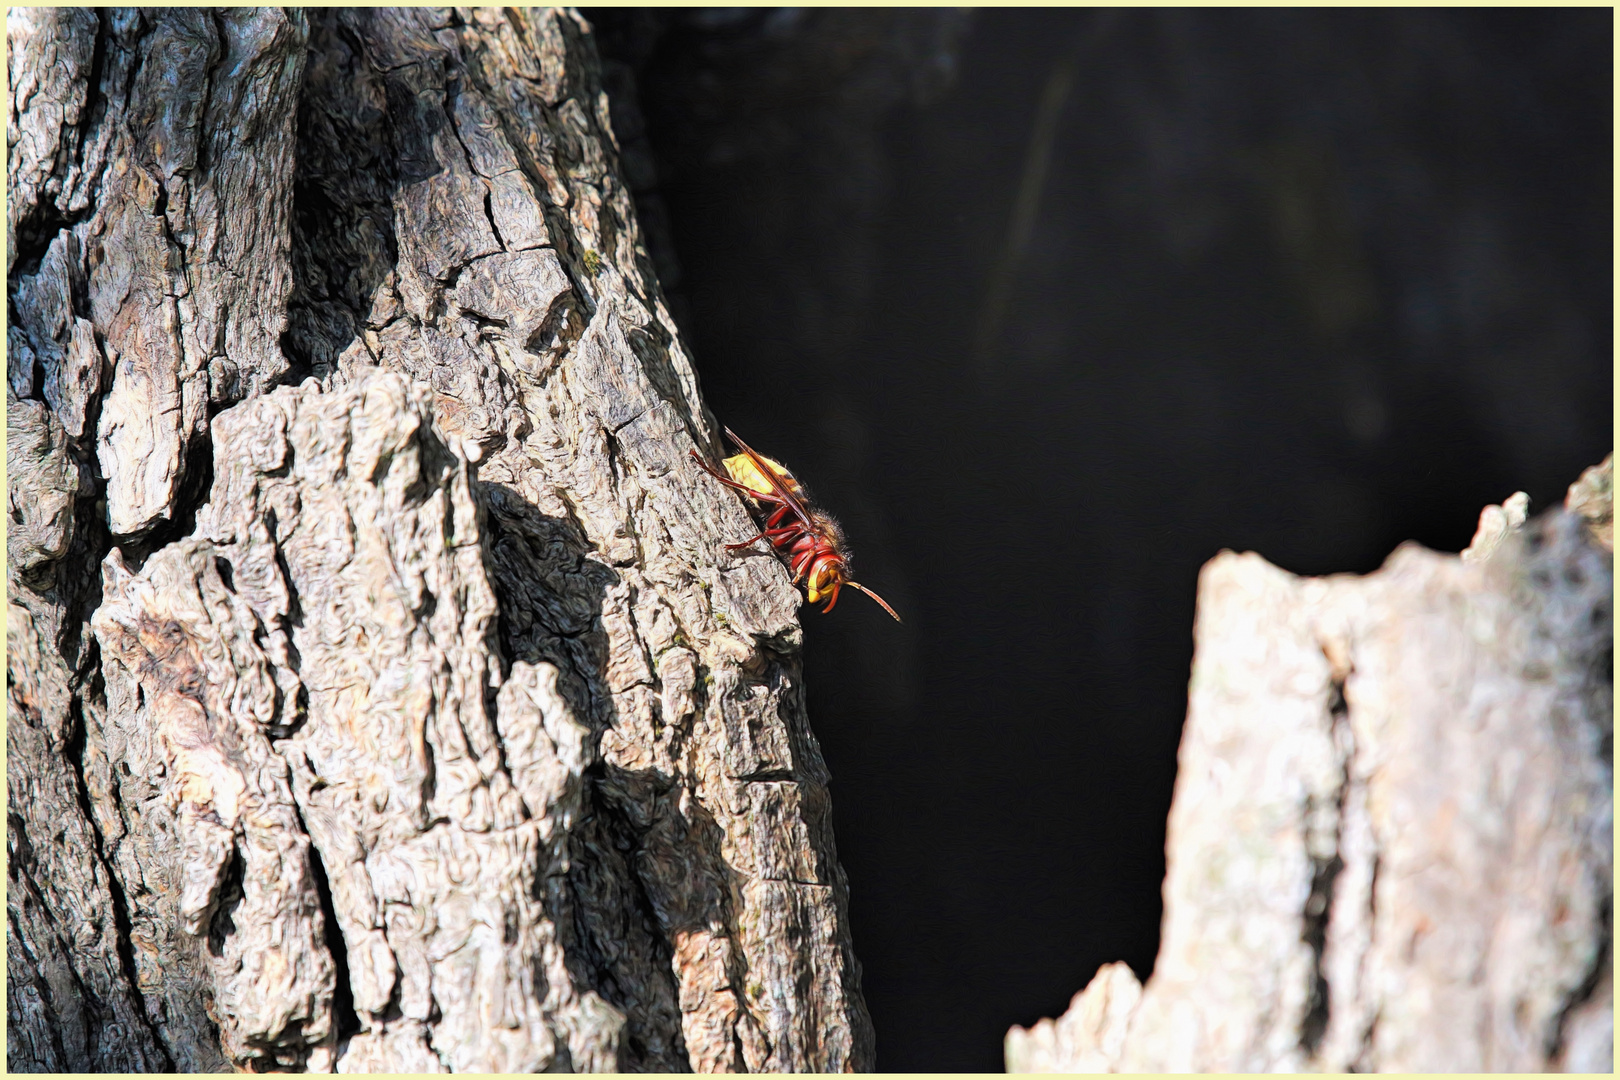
743	470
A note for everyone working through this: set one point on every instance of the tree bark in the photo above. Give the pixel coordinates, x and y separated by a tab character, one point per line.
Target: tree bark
380	694
1391	842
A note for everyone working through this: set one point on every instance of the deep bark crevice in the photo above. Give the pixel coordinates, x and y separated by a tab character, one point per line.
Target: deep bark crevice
45	225
348	1021
221	925
36	231
196	484
336	198
1325	871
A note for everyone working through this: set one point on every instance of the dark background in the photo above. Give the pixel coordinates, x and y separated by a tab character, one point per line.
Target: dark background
1051	306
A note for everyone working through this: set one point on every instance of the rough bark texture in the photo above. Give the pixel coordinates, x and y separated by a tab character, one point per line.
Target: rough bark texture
380	695
1391	842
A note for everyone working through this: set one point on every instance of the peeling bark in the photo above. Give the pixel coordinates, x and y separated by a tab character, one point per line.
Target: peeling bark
411	717
1391	842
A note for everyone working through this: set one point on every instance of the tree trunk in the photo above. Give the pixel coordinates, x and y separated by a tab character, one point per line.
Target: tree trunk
380	694
1392	837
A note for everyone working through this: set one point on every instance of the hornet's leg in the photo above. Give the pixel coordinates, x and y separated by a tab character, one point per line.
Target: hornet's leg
773	536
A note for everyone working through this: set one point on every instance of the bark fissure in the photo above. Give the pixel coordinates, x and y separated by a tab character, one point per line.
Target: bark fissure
123	945
347	1020
1326	864
126	946
190	497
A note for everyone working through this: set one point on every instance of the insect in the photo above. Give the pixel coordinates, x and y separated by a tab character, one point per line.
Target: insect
807	538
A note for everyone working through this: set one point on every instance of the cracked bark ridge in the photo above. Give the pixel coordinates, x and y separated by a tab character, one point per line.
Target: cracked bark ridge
372	762
1390	847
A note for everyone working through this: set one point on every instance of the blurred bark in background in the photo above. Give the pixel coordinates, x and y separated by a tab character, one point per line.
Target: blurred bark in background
379	694
1391	845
